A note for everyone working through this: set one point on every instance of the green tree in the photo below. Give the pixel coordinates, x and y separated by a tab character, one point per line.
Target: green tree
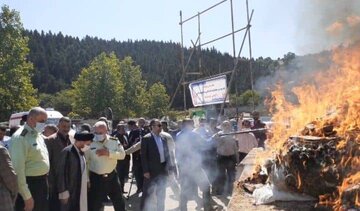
98	87
248	97
234	100
46	100
63	101
16	90
135	97
158	100
288	58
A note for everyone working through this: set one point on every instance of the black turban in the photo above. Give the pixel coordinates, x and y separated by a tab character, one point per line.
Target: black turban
84	136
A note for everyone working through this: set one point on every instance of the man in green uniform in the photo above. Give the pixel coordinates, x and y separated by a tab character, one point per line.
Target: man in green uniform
102	159
31	162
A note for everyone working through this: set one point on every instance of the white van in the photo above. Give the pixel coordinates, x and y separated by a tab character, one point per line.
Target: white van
53	117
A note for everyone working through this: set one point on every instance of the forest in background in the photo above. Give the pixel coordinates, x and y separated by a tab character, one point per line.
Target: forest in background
84	77
58	60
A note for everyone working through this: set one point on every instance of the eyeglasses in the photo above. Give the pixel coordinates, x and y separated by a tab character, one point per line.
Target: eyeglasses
159	125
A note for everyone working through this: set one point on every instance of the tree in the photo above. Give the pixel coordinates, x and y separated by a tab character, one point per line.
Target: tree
249	97
135	96
288	58
16	90
46	100
158	100
98	87
63	101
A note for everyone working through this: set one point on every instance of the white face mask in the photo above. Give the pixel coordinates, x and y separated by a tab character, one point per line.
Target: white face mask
40	127
85	148
99	137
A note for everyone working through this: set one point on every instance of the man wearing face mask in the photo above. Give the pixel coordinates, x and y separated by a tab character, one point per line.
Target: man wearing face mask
55	144
31	162
102	158
72	174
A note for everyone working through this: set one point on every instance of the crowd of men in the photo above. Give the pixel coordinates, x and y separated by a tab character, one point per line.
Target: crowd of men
44	167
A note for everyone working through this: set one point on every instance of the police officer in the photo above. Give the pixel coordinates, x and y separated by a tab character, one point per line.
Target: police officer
31	162
102	158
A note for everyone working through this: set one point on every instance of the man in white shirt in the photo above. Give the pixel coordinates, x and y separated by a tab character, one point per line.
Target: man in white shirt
227	157
246	141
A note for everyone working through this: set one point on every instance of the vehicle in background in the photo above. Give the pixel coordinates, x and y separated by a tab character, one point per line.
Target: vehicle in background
15	119
247	116
53	117
267	120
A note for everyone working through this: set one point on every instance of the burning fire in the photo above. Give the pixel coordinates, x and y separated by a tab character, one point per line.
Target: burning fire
330	99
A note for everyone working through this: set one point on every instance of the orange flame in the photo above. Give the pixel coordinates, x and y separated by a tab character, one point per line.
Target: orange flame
331	97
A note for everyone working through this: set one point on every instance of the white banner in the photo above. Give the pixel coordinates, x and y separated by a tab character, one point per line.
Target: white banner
209	92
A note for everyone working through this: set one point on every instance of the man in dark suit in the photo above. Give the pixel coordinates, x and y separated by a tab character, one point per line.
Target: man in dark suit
122	166
55	144
154	158
135	136
8	181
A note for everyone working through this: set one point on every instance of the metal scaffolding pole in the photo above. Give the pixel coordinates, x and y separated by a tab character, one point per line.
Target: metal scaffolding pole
182	61
198	44
234	55
235	66
182	79
250	62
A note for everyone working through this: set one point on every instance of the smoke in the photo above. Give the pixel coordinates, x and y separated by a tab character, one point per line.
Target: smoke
322	25
297	72
189	148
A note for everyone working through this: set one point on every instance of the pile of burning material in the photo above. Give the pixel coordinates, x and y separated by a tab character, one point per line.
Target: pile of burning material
325	167
323	160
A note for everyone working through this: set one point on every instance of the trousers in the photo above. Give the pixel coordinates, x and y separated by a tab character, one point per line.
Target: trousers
105	185
38	186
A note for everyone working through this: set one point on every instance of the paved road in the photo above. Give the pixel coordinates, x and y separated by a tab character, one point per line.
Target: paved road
171	204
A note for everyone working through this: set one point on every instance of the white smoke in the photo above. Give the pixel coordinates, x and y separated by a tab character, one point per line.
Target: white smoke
322	25
325	24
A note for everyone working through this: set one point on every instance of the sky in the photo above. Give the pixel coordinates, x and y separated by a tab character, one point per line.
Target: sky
273	32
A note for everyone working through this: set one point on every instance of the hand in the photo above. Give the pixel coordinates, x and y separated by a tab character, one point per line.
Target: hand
64	201
147	175
102	152
29	204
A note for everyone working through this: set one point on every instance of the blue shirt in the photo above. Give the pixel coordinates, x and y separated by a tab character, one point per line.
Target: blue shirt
160	146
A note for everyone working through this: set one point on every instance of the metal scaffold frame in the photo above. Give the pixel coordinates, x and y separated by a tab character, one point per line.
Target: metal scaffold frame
197	45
